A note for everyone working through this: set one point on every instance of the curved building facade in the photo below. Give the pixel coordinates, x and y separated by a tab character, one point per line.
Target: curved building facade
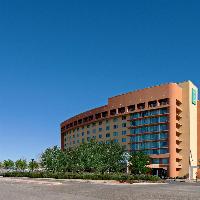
160	121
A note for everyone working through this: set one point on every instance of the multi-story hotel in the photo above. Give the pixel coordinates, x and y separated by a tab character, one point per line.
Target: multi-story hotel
160	121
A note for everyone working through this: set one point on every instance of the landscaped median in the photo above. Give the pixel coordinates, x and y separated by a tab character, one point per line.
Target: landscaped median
122	178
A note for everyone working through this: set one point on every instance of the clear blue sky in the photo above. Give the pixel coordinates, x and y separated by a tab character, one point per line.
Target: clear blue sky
59	58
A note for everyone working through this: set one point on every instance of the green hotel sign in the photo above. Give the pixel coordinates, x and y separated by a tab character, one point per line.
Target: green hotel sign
194	96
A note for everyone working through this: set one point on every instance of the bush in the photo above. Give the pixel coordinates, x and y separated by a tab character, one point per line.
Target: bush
87	176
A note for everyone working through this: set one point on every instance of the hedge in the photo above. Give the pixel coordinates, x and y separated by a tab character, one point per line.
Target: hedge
86	176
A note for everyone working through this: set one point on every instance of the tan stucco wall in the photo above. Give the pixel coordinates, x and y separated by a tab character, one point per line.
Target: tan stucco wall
189	130
198	135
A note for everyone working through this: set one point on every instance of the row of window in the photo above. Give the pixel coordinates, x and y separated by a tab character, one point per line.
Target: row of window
152	120
100	135
147	129
115	126
155	151
94	137
149	145
150	113
89	119
160	161
143	138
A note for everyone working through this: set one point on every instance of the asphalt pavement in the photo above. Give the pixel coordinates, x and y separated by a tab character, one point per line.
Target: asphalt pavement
34	189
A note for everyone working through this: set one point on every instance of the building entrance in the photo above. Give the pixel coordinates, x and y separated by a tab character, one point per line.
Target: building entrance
159	172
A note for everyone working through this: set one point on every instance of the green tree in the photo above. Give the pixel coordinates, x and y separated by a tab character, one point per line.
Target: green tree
95	157
53	159
21	164
88	157
139	163
111	158
8	164
33	165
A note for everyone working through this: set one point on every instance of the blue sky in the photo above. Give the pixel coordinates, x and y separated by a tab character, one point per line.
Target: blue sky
59	58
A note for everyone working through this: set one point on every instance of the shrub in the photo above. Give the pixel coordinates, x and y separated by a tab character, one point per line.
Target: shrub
87	176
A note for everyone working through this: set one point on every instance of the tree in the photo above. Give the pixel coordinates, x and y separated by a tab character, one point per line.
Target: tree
139	162
21	164
8	164
110	157
33	165
95	157
53	159
88	157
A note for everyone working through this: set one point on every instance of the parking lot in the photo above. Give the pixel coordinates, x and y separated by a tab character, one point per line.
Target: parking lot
33	189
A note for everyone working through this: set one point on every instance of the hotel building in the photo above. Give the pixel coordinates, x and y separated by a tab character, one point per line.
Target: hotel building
162	121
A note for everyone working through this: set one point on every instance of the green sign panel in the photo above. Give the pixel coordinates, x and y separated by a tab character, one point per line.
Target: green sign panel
194	96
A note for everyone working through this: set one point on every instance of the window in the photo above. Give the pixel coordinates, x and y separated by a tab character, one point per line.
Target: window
123	139
88	138
123	124
85	119
115	119
115	140
163	119
88	132
152	104
104	114
163	144
100	123
163	102
131	108
77	141
88	126
163	127
107	128
94	131
135	115
113	112
155	161
100	129
115	133
100	135
83	140
141	106
115	126
164	111
121	110
82	133
90	117
107	142
77	134
98	115
163	151
107	135
163	135
165	160
123	132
